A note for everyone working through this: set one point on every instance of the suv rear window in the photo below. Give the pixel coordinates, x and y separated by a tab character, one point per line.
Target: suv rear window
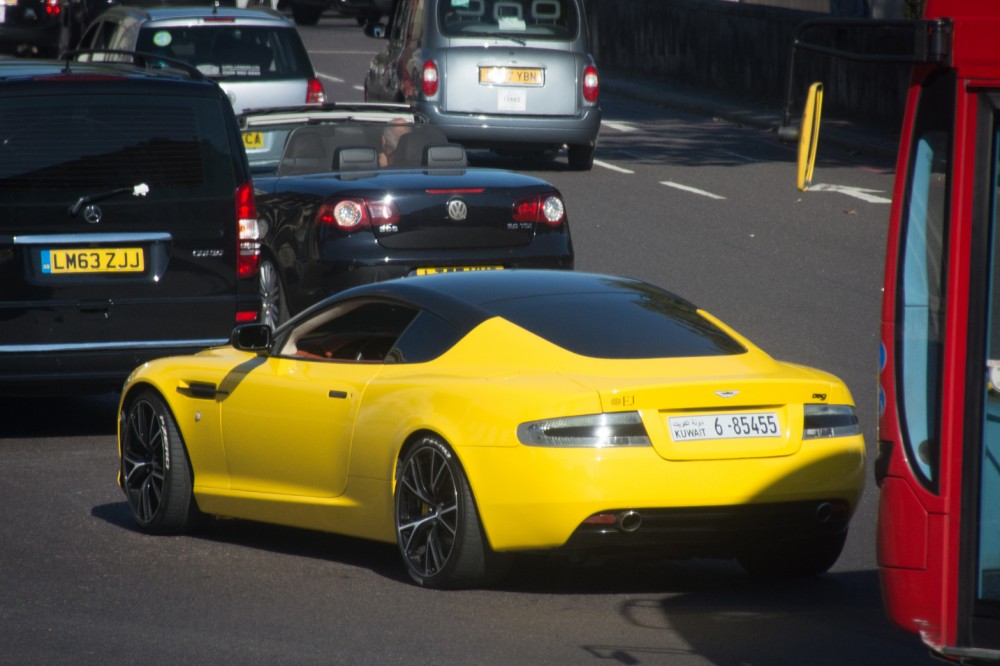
619	325
535	19
232	53
89	144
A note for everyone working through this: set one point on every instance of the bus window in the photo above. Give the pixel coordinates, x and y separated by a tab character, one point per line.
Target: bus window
921	298
988	568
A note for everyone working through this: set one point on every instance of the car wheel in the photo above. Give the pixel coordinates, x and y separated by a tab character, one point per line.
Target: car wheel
273	306
581	157
796	558
437	525
305	15
155	471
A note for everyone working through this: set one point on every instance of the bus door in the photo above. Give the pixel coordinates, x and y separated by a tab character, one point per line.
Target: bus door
979	576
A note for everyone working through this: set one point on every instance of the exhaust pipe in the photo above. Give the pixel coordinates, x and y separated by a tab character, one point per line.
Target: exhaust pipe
824	512
628	521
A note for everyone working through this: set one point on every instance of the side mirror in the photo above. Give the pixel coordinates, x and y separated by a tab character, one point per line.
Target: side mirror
809	135
375	30
252	338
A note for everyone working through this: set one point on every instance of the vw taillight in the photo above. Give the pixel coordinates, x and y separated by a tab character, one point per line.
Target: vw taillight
356	213
430	78
540	208
248	243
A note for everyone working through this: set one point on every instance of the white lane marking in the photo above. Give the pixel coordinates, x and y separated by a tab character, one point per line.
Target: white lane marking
857	192
745	158
612	167
693	190
621	127
329	78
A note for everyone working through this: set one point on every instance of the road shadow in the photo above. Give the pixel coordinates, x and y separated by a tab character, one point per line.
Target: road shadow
59	416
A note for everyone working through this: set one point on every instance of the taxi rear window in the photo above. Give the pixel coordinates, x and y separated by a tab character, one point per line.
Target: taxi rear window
531	19
619	325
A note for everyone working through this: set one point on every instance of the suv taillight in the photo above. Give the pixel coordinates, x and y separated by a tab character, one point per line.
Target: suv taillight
248	243
356	212
540	208
314	92
590	84
430	78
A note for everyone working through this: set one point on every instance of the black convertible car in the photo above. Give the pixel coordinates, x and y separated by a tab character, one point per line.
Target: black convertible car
352	194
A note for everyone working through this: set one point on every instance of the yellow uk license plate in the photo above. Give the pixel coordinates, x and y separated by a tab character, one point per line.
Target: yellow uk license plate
253	140
94	260
511	76
431	270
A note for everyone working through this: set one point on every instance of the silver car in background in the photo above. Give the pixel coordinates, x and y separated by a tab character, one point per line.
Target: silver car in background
508	75
255	55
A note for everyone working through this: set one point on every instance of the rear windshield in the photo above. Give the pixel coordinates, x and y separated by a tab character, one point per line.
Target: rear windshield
232	53
534	19
70	146
620	325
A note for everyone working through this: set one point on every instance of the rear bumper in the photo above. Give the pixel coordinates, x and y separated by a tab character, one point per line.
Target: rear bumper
488	131
344	265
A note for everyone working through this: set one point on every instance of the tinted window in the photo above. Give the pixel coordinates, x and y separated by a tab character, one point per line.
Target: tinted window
427	337
535	19
355	331
232	53
640	324
84	144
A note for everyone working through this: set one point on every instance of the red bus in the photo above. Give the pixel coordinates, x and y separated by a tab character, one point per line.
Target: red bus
938	462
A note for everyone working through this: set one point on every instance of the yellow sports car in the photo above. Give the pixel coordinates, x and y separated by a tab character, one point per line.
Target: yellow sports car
468	416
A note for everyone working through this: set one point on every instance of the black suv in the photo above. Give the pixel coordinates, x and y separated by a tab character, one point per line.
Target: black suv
128	226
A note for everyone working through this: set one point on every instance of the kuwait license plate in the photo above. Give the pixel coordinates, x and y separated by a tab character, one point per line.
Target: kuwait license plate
94	260
724	426
511	76
253	140
456	269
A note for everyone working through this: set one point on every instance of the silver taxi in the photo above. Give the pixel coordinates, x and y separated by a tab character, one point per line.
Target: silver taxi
508	75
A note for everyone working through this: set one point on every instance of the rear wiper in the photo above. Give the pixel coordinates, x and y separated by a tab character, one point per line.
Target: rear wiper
503	35
140	190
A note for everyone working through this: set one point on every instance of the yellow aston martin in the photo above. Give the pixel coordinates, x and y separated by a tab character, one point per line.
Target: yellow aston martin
469	416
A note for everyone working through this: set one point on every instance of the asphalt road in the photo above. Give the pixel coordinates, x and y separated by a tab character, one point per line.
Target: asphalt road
701	206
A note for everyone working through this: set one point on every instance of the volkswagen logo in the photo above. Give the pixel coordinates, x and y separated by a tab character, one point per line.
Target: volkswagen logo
457	210
92	214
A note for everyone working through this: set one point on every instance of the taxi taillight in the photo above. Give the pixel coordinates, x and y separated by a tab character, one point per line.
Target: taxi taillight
430	78
591	87
315	94
248	242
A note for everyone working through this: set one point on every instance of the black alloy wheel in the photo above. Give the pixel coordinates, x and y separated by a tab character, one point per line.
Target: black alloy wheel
437	525
155	471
